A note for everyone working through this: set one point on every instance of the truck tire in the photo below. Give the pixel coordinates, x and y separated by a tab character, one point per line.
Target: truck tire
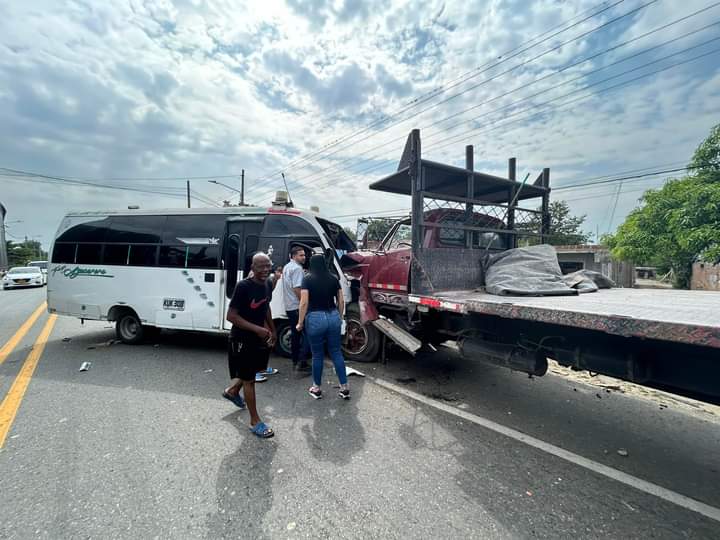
128	328
362	341
283	346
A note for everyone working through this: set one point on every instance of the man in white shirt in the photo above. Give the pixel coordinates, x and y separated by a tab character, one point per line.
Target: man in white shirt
292	277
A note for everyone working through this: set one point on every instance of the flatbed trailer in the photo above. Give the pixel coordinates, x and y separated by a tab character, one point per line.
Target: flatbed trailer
691	317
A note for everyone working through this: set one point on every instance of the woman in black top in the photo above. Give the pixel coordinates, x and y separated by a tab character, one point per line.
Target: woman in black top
322	307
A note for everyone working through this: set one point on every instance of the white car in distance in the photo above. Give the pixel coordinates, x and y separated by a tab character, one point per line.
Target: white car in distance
23	276
42	265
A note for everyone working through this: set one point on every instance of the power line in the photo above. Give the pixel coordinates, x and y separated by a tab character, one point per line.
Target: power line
553	49
442	88
478	131
660	28
623	178
27	176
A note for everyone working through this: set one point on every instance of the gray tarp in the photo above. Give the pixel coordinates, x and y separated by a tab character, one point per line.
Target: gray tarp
535	271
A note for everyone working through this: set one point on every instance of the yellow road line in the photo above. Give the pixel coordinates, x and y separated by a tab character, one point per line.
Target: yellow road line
11	403
12	343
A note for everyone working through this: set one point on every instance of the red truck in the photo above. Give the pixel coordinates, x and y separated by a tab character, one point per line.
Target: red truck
425	285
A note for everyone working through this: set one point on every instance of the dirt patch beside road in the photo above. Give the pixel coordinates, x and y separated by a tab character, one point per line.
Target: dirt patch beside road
663	399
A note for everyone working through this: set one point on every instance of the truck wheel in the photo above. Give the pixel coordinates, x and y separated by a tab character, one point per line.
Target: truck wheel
283	347
362	341
128	328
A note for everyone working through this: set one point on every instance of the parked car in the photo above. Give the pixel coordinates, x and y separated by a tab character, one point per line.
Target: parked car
23	276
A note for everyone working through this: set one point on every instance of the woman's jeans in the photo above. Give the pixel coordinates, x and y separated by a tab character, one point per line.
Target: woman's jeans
323	327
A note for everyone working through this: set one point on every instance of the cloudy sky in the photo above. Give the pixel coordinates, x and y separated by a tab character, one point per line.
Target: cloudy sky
139	95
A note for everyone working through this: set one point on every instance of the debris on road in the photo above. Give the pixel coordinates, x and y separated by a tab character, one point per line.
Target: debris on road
629	507
463	406
528	493
622	452
66	339
157	345
208	371
85	366
108	343
62	421
291	526
442	397
352	371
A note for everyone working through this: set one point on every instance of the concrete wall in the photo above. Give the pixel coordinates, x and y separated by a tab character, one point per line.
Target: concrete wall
705	277
599	260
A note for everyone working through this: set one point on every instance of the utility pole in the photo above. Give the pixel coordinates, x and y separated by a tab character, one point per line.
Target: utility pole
3	244
188	193
242	188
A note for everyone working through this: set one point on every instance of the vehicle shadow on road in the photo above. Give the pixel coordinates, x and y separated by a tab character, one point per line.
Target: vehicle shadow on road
243	487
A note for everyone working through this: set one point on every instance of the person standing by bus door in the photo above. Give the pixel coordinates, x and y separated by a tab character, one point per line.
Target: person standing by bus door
292	278
251	339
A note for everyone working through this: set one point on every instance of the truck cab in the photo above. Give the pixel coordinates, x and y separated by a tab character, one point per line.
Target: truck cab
386	270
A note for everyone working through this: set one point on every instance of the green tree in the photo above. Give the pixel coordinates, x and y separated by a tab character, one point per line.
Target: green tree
373	230
565	229
20	253
678	223
706	159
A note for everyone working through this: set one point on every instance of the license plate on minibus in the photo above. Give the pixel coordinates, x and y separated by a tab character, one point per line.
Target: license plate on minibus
175	304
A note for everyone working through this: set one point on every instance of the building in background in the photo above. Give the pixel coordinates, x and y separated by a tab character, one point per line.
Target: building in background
705	277
597	258
3	243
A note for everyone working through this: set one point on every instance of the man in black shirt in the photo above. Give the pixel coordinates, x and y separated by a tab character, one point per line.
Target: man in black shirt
251	338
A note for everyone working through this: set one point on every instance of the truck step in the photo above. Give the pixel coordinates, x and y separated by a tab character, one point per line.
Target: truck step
406	340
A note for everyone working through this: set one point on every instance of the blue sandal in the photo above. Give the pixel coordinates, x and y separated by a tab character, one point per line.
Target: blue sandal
237	400
262	430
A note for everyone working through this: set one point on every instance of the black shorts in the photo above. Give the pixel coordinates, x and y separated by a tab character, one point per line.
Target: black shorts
246	358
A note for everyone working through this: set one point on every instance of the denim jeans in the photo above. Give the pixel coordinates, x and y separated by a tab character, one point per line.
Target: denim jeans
323	327
298	344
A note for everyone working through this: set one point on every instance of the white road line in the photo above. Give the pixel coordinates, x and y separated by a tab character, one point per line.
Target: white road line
619	476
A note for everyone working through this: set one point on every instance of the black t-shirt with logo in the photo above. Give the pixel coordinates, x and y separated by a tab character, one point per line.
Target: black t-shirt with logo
322	291
251	300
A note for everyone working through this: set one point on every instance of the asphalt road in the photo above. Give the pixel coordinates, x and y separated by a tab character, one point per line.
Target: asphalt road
143	446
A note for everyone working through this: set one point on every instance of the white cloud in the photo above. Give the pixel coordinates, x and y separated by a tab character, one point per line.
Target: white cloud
160	89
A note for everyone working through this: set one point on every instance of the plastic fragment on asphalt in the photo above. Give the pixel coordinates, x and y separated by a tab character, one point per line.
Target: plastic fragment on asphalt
291	526
528	493
62	421
351	371
622	452
108	343
85	366
66	339
208	371
280	471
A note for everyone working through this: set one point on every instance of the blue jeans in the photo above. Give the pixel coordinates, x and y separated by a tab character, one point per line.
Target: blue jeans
323	327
